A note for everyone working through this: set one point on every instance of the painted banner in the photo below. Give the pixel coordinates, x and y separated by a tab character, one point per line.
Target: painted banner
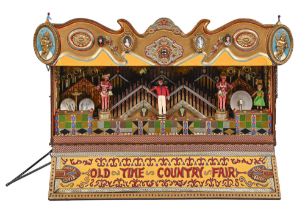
191	172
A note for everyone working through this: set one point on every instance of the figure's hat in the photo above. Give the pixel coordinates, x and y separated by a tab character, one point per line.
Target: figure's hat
259	82
106	76
223	74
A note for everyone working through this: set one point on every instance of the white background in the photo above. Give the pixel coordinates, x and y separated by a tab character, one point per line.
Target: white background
24	98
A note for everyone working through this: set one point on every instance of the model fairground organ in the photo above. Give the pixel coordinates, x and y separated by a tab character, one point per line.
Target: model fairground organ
163	114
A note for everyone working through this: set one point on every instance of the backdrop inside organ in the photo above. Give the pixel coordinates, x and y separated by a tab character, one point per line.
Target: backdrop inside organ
132	96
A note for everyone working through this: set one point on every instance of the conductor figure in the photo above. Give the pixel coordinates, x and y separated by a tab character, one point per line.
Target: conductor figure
163	94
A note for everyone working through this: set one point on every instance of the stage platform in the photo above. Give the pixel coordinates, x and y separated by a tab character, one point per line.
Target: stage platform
83	123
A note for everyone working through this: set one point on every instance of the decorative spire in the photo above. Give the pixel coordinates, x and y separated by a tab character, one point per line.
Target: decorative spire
278	20
48	17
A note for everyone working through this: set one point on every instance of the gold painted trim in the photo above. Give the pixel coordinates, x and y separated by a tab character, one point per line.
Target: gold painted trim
189	58
141	58
234	57
91	58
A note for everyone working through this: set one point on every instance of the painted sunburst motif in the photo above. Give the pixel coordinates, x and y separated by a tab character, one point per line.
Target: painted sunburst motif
164	51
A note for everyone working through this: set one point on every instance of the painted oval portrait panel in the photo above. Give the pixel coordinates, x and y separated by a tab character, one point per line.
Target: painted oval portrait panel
280	45
46	44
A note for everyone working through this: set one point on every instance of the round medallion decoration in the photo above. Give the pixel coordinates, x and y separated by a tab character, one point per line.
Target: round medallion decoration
46	43
280	45
164	51
80	39
199	43
127	42
246	39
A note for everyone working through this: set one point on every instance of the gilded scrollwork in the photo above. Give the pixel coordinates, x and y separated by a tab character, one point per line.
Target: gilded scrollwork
164	24
243	39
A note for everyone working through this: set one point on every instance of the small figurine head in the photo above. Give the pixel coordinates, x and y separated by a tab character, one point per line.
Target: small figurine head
106	77
160	82
259	86
283	37
223	77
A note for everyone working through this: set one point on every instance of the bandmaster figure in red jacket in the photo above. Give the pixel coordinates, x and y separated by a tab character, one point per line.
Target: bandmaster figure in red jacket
163	94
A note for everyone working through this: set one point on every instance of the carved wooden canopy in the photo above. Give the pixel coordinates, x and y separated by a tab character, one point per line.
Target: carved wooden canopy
83	42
